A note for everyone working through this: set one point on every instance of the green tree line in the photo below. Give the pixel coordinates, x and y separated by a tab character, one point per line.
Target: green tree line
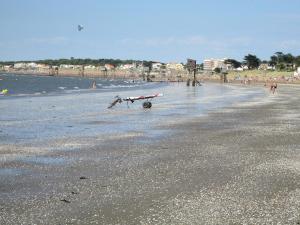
78	61
279	60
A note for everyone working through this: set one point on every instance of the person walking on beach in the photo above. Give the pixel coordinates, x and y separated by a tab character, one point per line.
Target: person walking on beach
273	87
94	85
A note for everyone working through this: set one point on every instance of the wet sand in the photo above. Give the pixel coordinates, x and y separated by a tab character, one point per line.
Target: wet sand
237	165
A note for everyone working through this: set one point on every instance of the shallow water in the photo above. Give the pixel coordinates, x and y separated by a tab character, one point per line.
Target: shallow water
43	160
24	85
11	172
33	119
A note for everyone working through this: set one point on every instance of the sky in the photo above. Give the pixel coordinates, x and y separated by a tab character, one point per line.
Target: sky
159	30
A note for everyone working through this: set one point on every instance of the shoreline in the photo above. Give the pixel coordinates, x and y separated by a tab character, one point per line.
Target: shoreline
254	80
238	164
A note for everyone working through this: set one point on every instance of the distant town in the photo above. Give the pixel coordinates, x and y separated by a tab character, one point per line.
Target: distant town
286	66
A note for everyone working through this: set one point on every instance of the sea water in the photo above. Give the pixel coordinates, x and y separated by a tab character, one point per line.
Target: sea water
42	109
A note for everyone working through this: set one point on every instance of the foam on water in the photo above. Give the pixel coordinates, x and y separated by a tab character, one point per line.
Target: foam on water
20	85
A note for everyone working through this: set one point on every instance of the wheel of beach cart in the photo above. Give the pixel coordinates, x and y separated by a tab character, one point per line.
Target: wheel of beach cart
147	105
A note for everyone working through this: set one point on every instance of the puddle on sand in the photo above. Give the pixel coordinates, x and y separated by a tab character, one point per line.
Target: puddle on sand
44	160
10	172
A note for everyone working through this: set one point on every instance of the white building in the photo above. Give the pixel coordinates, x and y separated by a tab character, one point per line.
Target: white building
156	66
19	65
266	66
297	72
175	66
212	64
127	66
66	66
31	65
7	67
22	65
90	67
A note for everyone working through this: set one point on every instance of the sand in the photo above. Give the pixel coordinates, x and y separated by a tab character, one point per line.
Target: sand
237	165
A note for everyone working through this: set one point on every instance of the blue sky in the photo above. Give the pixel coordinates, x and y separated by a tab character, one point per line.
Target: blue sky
162	30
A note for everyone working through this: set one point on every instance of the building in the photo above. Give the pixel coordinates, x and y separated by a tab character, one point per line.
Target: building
127	66
19	66
156	66
23	65
102	68
175	66
31	65
297	72
42	66
266	66
7	67
212	64
65	66
90	67
109	66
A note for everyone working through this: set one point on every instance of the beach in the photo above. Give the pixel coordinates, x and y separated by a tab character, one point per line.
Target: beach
237	163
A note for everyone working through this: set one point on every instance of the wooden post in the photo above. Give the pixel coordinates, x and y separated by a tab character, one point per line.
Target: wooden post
188	82
194	81
82	71
192	66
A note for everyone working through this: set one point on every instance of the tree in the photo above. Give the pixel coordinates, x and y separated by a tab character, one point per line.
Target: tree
200	66
283	61
252	61
217	70
281	66
233	62
279	56
297	61
273	60
288	58
148	64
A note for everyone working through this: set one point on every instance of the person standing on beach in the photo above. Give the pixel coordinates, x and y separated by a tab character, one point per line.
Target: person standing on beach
273	87
94	85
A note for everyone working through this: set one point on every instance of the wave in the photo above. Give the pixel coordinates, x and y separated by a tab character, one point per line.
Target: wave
121	86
